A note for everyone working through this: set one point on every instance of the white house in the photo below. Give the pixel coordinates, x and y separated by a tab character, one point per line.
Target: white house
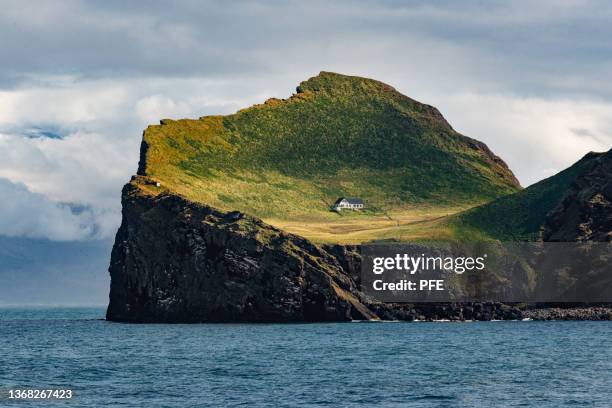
345	203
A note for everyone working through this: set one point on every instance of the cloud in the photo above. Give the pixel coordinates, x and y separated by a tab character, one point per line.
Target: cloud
31	215
537	137
154	107
550	46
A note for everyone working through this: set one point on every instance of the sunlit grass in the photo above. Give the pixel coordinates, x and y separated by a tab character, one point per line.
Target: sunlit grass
287	161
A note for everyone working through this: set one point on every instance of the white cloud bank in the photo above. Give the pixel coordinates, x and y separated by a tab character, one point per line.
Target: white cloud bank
31	215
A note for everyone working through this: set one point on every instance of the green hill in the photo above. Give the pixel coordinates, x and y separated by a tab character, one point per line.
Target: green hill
287	161
337	136
521	216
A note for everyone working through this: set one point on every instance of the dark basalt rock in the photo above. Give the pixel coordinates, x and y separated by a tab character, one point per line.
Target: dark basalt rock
585	213
569	313
234	216
177	261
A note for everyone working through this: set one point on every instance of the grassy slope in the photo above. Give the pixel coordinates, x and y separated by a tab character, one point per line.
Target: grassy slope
288	160
519	217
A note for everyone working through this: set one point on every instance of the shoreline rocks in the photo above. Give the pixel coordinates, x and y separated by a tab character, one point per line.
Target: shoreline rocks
570	313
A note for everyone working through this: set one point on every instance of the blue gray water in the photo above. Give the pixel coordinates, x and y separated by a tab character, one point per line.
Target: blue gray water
494	364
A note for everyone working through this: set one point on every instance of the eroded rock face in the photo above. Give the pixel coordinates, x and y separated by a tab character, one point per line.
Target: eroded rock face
585	213
176	261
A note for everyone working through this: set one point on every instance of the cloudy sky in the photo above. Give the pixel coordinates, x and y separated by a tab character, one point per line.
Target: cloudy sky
80	80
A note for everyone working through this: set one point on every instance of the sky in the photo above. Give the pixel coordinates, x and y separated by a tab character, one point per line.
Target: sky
80	80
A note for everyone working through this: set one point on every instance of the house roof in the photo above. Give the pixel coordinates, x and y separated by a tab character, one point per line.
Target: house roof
350	200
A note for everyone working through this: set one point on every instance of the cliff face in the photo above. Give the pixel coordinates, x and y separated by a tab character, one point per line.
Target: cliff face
585	213
177	261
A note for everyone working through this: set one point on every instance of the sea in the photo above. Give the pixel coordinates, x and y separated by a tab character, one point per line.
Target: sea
360	364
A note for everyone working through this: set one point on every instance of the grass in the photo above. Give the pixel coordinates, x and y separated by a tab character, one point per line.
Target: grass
287	161
356	227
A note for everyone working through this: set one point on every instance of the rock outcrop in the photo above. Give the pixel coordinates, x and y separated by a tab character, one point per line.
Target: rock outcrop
585	213
177	261
569	313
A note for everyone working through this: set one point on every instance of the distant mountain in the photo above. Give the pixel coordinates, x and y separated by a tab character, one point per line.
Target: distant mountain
574	204
38	271
337	136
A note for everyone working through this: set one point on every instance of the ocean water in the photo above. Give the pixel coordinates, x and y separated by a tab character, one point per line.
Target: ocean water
488	364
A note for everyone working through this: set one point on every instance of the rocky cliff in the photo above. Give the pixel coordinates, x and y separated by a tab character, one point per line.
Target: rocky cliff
175	260
585	213
179	261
